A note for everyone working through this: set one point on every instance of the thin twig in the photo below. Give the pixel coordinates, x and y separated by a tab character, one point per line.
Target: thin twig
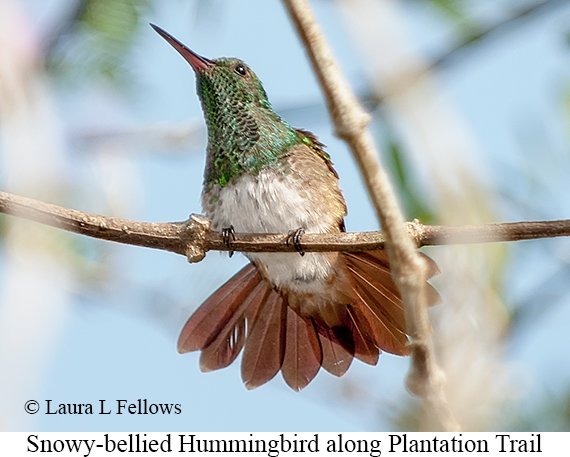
409	270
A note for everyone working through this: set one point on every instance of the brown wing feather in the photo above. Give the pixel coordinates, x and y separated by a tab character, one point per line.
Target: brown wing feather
311	140
303	355
211	317
265	345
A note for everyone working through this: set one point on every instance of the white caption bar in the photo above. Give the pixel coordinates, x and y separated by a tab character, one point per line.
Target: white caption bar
38	444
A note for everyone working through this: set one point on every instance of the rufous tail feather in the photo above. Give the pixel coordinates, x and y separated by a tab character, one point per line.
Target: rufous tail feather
248	313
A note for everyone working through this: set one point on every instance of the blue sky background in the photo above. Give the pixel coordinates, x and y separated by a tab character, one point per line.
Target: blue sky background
115	337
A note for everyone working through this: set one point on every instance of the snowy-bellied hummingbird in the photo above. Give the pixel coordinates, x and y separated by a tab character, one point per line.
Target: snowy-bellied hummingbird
289	312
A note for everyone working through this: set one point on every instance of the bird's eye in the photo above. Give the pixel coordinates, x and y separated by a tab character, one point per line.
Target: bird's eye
240	70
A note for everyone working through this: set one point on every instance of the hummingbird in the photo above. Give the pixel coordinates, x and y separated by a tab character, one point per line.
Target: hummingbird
292	312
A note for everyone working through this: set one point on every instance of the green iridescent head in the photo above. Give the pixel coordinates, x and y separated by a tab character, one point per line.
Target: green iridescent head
229	84
244	133
222	83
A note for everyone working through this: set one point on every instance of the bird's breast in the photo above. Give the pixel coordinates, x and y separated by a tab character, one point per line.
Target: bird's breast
269	202
275	202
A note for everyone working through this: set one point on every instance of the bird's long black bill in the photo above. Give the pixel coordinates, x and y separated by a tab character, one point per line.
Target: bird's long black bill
197	62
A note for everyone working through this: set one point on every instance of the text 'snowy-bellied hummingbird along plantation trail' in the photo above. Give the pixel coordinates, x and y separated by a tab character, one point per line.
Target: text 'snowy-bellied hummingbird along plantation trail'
289	312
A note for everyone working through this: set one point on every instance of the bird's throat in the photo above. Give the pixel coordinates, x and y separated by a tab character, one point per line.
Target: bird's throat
244	140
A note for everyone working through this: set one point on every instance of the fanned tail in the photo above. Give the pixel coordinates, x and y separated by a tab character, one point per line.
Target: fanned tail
247	312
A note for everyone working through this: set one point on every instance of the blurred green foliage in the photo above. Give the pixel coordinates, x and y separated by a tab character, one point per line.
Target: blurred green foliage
455	9
96	40
550	414
414	205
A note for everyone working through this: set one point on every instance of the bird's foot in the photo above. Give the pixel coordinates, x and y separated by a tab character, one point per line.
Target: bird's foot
294	236
229	235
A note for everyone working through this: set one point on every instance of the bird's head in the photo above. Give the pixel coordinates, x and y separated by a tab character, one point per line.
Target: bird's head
223	84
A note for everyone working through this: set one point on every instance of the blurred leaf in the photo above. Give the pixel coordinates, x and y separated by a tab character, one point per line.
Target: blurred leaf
407	417
414	206
551	414
455	9
98	40
3	219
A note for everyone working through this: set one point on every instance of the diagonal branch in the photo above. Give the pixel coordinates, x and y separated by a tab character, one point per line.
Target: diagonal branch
409	270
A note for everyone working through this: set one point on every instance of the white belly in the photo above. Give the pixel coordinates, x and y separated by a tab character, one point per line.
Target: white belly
269	203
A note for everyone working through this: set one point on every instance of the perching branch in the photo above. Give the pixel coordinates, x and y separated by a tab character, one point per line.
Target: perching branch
193	239
409	270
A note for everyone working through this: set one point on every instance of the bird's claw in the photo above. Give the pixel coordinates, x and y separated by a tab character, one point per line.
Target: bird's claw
294	236
229	235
